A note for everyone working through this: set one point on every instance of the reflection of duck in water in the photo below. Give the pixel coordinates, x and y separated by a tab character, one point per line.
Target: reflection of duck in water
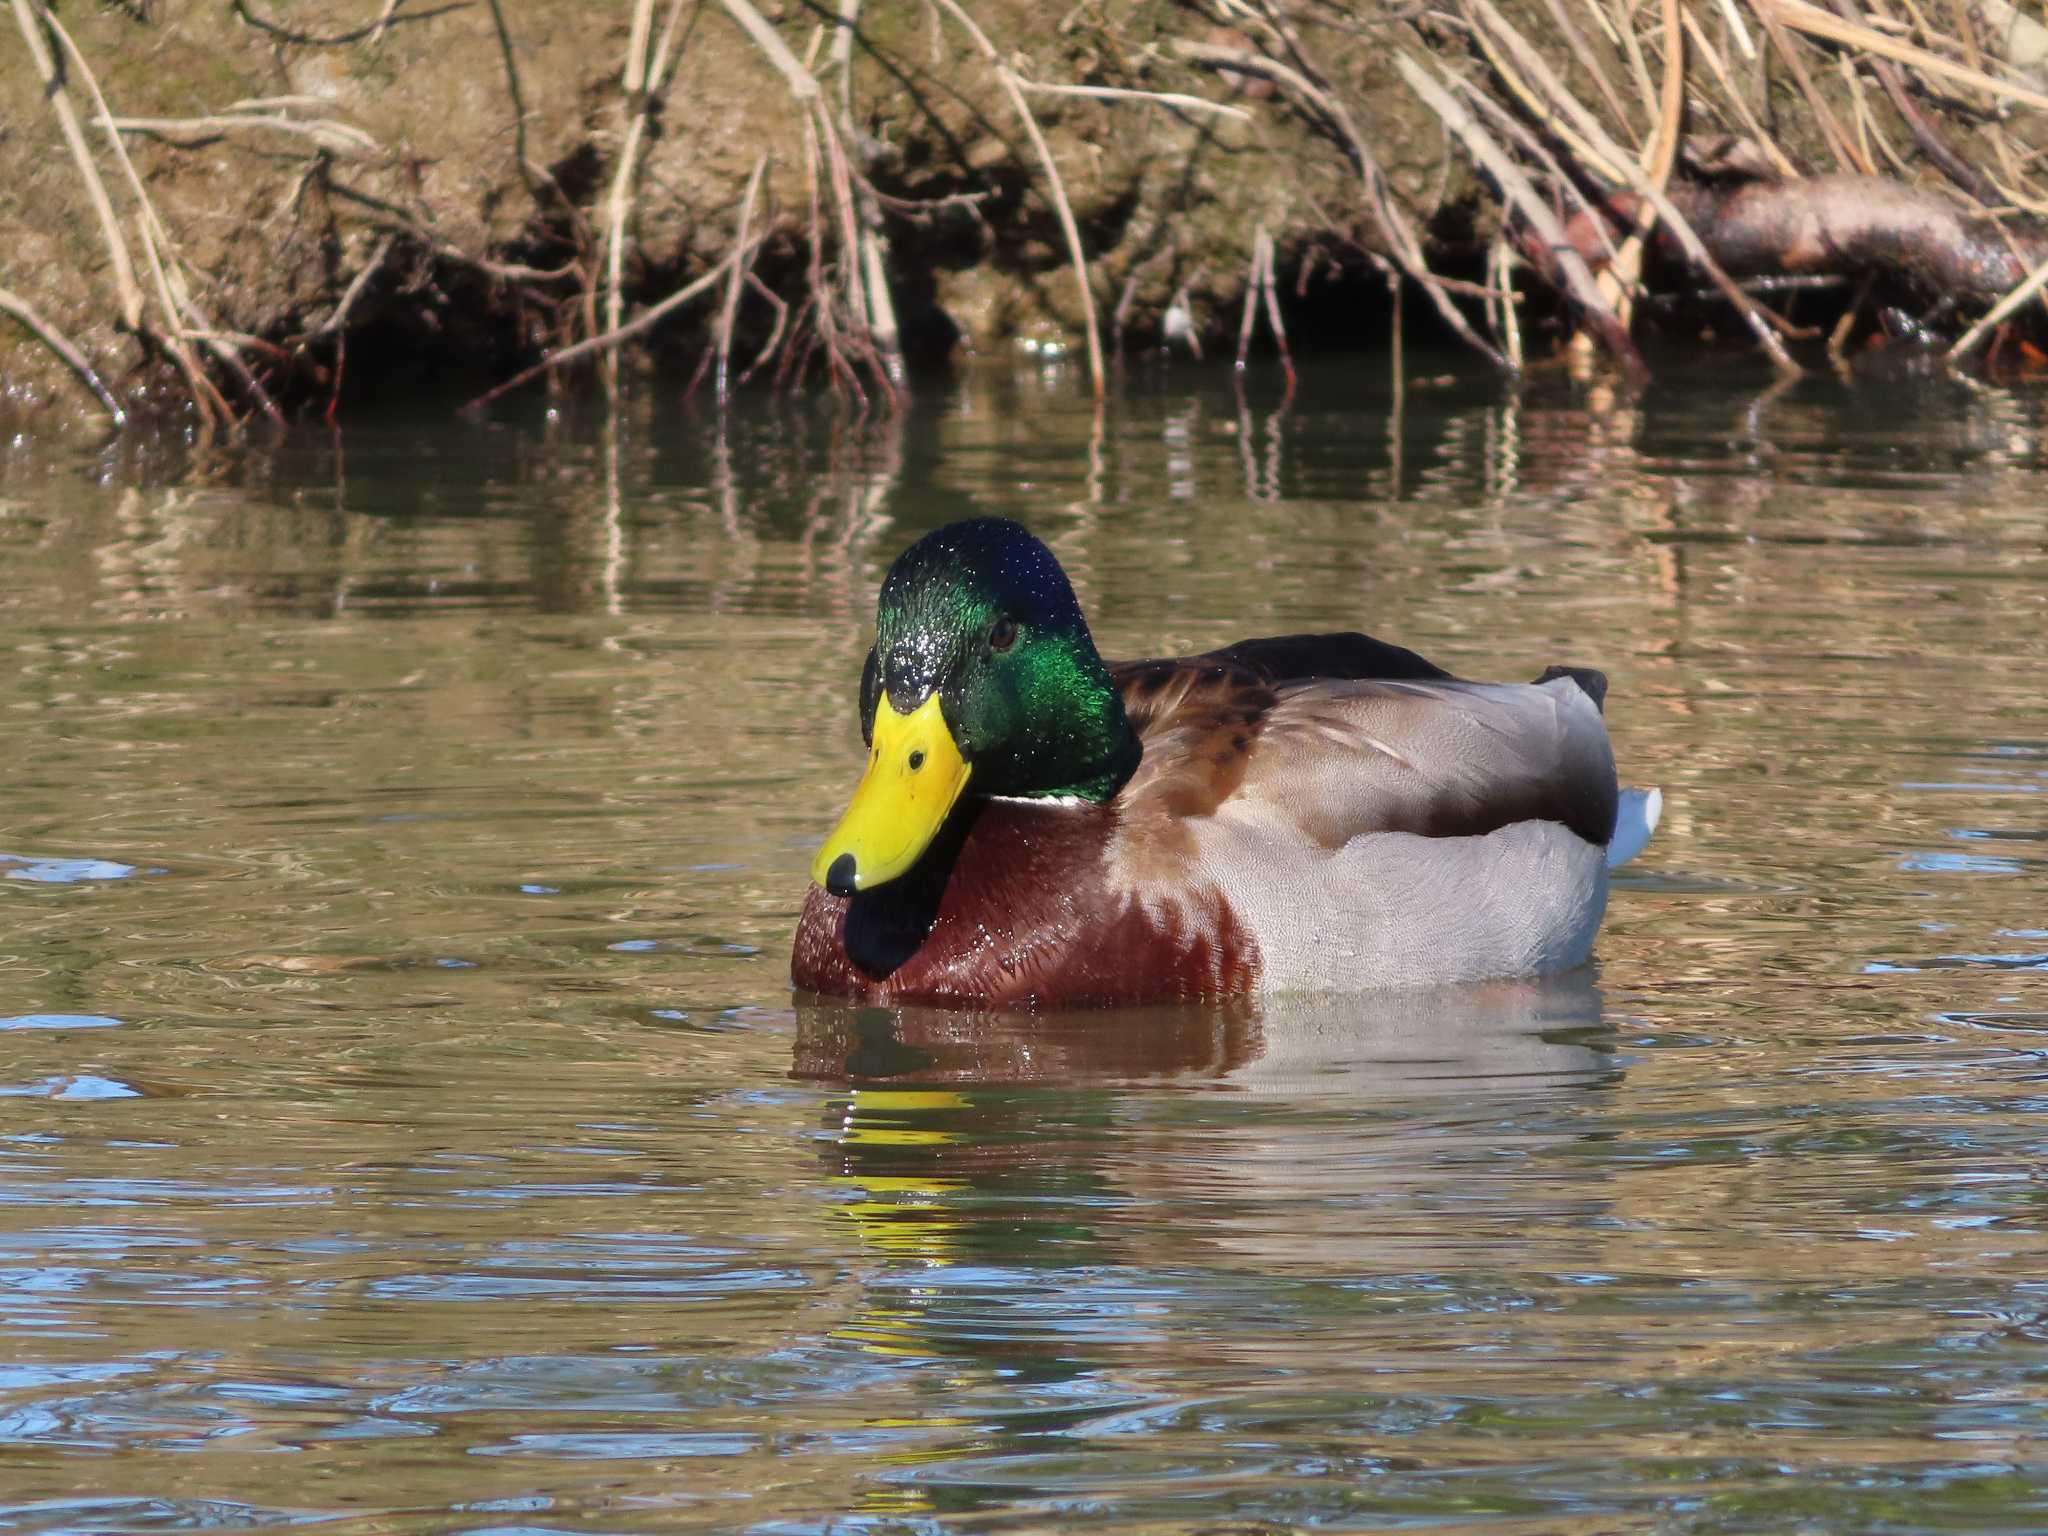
973	1151
1477	1038
1313	812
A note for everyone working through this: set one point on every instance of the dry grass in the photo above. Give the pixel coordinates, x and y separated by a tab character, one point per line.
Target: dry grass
1599	127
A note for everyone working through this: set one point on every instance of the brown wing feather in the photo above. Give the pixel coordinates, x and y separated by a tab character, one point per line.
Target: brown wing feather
1439	759
1197	721
1347	735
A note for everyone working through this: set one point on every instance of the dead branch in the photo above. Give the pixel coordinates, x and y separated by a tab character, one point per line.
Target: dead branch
162	259
1659	155
2035	281
1172	99
1401	239
1846	156
1055	185
30	16
355	290
1250	312
824	151
1273	309
882	327
642	80
775	331
390	16
60	344
389	215
1761	322
647	318
1854	224
1704	47
1818	23
536	175
1534	208
729	311
195	132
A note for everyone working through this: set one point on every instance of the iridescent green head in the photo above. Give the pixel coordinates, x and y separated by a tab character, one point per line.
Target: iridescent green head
983	668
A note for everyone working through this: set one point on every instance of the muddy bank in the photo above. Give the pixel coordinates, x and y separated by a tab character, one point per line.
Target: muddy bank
267	207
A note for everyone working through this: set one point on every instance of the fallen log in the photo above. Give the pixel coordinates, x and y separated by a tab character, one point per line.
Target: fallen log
1857	225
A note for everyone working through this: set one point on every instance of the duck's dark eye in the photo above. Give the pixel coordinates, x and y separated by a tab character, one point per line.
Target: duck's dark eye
1003	634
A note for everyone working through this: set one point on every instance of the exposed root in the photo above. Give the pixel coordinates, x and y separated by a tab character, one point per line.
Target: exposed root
735	279
645	320
1399	234
1762	324
1056	187
65	349
840	308
642	80
389	16
1571	264
33	19
1258	290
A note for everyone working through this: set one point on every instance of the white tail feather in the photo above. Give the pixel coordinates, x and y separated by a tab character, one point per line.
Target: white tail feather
1635	818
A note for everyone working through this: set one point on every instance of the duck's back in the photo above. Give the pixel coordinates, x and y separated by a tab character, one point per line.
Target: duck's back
1367	819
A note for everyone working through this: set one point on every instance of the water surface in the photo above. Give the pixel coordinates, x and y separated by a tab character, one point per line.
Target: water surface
405	1123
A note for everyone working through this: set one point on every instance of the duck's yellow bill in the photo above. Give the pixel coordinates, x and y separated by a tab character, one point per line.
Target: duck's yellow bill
914	775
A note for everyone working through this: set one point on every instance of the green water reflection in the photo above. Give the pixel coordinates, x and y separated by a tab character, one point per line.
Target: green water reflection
405	1124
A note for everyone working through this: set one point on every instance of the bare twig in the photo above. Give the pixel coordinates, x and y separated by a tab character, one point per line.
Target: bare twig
1704	47
882	326
1535	148
1659	155
60	344
729	311
1401	240
1588	60
1539	106
1259	291
1838	338
1762	322
825	151
391	216
1273	311
355	290
1781	44
157	249
1120	317
1932	144
775	331
536	175
1055	186
1250	312
1500	274
31	16
389	17
1155	98
651	316
194	132
1818	23
1571	266
641	77
1967	343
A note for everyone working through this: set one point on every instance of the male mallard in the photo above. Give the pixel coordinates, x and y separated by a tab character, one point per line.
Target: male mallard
1304	813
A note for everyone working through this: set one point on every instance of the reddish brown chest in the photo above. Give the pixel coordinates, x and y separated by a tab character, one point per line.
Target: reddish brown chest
1015	905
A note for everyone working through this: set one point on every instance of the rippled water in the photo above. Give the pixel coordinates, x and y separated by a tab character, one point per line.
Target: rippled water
405	1124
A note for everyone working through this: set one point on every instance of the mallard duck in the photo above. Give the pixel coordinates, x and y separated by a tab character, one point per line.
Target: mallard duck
1038	828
